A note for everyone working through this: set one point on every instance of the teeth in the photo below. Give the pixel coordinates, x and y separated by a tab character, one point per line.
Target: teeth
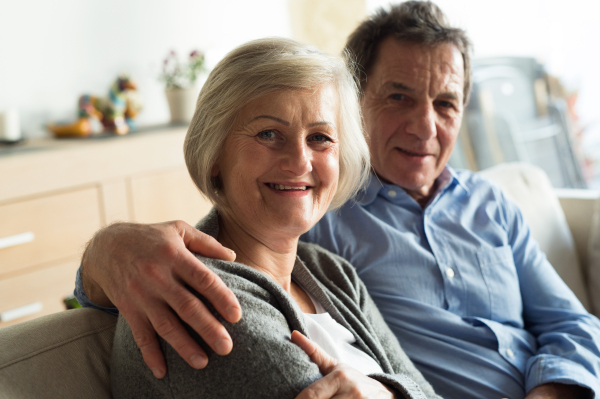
409	152
281	187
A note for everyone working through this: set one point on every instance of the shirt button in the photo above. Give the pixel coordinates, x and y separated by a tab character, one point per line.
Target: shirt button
510	353
450	272
392	193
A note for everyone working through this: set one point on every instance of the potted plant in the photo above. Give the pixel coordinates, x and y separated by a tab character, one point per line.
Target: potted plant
180	84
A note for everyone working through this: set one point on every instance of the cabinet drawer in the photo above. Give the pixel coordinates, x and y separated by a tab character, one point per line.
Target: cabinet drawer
37	293
47	229
168	195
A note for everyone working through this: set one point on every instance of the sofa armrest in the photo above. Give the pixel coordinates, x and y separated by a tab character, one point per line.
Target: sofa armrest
580	207
582	210
62	355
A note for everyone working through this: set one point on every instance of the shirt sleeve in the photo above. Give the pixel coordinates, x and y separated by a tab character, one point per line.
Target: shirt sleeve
568	337
86	302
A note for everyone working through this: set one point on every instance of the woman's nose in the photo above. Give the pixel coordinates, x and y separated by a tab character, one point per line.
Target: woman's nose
297	158
422	122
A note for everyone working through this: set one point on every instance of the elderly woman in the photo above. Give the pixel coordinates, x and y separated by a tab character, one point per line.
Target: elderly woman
275	142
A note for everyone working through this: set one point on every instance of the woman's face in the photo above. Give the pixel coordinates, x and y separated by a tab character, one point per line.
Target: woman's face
280	166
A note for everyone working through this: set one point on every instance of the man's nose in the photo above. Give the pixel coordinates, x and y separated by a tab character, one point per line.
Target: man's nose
422	122
297	158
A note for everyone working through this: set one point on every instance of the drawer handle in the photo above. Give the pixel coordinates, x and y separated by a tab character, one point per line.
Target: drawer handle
21	311
17	239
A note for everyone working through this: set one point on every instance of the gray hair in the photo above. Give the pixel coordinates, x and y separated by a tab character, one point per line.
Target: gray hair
265	66
420	22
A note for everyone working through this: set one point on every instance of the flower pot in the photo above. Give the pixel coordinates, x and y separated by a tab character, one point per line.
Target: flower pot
182	104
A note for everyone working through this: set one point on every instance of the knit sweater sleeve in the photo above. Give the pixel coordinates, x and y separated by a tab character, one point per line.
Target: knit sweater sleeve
264	363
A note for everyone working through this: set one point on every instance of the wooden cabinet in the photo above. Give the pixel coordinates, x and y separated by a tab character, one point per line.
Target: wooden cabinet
55	194
58	226
168	195
28	295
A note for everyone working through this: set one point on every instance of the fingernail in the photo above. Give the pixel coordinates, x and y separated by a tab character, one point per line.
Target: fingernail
223	346
233	253
233	313
198	361
158	373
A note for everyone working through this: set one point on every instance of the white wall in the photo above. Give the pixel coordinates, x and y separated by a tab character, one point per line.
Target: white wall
51	52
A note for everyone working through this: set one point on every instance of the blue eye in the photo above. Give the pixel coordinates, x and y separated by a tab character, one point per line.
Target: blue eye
320	138
267	135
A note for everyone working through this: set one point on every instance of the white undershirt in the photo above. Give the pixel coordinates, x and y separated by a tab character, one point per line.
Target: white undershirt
337	341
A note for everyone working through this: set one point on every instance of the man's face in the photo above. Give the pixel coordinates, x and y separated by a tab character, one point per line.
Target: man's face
413	106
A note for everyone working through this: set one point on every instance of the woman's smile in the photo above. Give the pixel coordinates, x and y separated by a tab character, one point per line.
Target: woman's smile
290	189
280	165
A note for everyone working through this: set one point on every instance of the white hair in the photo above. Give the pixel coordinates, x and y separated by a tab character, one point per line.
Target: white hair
263	66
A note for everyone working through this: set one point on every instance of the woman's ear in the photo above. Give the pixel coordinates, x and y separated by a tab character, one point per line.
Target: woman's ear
215	177
214	172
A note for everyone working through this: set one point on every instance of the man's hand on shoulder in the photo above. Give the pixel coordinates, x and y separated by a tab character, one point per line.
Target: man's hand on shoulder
143	271
558	391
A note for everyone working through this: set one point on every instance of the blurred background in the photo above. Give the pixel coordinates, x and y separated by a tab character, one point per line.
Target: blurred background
534	100
535	82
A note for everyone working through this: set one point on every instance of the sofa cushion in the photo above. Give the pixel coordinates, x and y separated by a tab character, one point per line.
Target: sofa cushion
594	260
529	187
63	355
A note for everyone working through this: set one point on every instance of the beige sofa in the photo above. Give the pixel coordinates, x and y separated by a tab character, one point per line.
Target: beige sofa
63	355
67	355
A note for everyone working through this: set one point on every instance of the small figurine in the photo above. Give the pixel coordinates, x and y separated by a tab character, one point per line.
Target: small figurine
134	106
114	113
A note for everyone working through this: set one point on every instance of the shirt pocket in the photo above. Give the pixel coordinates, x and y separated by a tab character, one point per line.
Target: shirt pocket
500	275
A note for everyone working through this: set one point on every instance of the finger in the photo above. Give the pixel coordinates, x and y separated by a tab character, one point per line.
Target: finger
145	338
202	243
314	351
325	388
167	325
192	311
207	283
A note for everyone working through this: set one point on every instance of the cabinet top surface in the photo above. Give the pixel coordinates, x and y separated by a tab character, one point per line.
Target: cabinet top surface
43	165
52	144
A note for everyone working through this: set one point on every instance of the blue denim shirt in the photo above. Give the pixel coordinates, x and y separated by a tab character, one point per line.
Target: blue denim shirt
465	288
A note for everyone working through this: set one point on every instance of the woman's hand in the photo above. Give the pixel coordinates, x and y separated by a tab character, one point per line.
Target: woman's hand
143	270
339	380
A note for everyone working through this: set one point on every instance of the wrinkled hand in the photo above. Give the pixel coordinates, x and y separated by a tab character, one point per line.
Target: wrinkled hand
558	391
143	270
339	380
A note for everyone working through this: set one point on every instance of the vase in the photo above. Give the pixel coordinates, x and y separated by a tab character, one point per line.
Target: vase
182	104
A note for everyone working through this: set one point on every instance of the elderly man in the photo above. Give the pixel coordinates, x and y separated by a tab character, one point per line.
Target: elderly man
446	257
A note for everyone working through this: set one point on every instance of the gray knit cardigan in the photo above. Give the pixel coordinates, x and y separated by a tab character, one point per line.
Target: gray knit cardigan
264	363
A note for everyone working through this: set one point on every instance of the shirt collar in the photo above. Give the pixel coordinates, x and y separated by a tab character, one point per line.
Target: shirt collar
461	180
444	181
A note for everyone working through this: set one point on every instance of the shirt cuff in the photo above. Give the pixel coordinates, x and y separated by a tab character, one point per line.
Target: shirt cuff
545	369
86	302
